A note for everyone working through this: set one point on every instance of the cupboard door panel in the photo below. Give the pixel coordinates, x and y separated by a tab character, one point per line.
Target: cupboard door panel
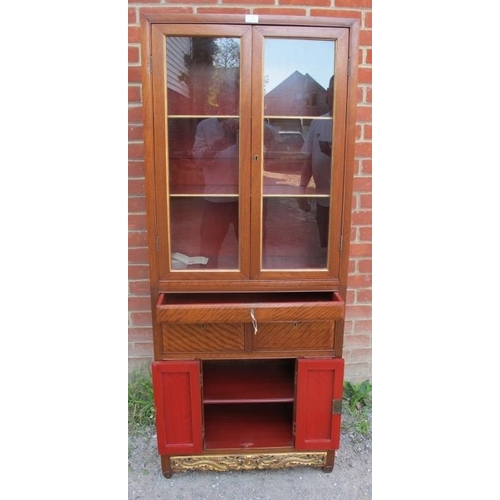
319	384
178	406
293	336
198	337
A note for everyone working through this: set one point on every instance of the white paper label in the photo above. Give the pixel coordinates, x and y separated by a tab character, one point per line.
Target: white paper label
251	18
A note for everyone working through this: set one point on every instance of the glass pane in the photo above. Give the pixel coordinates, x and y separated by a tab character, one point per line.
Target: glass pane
203	75
203	78
298	132
296	76
203	233
291	235
203	155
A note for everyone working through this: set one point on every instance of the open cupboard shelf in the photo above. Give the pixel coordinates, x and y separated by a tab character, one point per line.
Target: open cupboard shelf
248	381
243	426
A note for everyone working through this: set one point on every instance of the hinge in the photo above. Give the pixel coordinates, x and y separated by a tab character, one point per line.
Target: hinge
348	66
341	243
336	406
294	429
150	64
157	244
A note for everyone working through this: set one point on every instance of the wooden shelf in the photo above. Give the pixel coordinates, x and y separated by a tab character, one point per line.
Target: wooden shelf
243	426
253	381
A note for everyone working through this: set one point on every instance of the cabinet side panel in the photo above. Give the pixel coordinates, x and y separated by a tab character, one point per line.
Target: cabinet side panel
178	406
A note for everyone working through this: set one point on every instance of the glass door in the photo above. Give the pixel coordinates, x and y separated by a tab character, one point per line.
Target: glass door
297	196
249	145
203	148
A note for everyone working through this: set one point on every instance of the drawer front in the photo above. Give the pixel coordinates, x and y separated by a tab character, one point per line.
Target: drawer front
242	308
293	336
199	337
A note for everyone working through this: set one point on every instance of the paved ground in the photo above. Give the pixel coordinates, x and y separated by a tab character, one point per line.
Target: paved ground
351	478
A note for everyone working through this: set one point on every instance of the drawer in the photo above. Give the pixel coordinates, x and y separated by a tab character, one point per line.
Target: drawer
200	337
293	336
244	307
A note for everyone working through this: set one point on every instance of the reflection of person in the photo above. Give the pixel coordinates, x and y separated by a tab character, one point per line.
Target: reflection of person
216	149
317	148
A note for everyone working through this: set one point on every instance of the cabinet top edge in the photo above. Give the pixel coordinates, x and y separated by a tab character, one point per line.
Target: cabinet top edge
289	20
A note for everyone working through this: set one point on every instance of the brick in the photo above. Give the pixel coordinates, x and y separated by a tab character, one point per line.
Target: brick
362	184
284	11
365	38
365	233
223	10
138	255
366	166
368	20
134	94
135	132
132	16
141	334
364	296
310	3
142	304
137	204
138	272
133	55
255	2
137	239
362	326
359	281
361	218
140	287
134	34
364	114
360	250
136	169
356	4
137	222
136	151
136	186
351	341
357	311
140	318
135	115
141	349
346	14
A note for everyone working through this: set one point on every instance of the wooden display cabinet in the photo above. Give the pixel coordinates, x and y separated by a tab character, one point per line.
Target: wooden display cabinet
249	140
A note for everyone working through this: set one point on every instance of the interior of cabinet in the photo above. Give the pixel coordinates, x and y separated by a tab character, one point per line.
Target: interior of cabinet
248	404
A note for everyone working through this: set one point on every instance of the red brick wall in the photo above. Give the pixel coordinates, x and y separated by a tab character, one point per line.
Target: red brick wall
358	337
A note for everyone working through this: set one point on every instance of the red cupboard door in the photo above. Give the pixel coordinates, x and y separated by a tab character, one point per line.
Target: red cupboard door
319	391
177	396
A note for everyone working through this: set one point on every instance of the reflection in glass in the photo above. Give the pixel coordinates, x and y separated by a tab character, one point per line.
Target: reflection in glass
297	73
200	233
201	71
290	236
203	76
298	111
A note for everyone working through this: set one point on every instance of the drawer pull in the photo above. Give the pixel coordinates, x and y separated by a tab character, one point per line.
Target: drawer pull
202	326
254	321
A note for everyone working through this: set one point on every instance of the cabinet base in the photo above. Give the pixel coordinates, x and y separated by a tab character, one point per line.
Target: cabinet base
222	463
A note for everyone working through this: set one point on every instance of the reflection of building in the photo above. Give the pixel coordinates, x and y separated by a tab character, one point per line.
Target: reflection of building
297	95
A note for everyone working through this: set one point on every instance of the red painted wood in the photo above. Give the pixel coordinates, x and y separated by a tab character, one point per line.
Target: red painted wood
238	381
319	382
178	406
245	426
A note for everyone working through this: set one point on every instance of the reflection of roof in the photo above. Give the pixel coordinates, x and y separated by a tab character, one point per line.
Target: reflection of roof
296	95
297	81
